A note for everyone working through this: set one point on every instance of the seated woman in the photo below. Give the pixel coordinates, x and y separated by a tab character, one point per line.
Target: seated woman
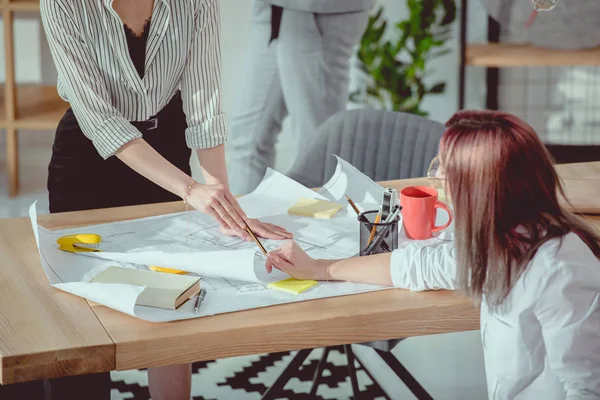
533	267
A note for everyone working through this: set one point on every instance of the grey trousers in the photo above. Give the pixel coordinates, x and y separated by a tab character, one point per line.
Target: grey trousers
303	73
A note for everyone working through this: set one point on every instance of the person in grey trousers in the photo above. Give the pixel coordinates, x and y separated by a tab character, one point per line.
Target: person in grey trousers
297	64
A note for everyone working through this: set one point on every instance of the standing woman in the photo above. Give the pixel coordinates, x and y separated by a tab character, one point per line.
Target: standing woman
143	81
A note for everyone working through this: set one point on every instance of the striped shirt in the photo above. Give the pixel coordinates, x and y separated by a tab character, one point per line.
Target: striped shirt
97	77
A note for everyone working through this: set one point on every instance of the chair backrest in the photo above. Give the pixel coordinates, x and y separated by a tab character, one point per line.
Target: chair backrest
383	145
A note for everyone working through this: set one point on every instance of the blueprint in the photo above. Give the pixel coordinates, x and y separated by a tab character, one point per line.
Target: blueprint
231	270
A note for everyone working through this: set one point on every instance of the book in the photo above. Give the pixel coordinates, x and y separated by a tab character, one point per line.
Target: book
162	290
315	208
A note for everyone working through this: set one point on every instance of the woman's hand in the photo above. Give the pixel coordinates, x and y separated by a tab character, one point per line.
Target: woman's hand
218	202
292	260
261	229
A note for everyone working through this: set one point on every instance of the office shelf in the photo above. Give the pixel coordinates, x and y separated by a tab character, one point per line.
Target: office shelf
22	5
494	55
38	107
512	55
33	107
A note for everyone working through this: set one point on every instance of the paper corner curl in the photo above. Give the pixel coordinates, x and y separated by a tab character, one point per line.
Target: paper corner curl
34	225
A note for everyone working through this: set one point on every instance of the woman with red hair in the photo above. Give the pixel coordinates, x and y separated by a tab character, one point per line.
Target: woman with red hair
532	266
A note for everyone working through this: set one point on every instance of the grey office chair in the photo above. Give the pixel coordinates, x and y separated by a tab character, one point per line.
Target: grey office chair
384	145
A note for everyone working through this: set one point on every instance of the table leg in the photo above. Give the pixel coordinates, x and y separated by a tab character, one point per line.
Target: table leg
405	376
362	367
352	370
319	372
89	387
27	390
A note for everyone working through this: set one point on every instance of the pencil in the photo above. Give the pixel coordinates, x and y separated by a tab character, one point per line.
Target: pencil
256	239
374	229
356	210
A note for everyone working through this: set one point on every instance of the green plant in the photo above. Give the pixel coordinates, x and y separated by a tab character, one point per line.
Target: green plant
396	65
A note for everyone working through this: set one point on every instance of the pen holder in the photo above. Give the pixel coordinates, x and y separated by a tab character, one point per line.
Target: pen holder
375	238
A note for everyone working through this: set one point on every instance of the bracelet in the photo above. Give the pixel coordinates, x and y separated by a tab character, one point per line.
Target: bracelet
187	206
187	193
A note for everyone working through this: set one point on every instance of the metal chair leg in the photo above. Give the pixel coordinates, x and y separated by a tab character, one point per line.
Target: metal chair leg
319	372
352	370
406	377
362	366
286	375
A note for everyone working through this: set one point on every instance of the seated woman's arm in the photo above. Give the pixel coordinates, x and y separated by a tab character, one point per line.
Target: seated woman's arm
568	311
413	266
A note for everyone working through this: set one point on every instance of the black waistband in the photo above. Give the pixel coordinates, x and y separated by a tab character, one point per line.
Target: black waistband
153	122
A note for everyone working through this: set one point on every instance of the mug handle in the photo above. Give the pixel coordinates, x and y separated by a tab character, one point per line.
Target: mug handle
443	206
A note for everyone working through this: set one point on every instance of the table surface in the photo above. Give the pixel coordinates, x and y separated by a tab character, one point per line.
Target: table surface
46	333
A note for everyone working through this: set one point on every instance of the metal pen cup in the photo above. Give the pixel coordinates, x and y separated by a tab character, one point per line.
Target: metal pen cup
376	238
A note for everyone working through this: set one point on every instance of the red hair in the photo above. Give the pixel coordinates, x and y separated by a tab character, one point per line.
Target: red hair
505	190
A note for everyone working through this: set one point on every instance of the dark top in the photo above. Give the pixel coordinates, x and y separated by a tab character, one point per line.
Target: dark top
137	47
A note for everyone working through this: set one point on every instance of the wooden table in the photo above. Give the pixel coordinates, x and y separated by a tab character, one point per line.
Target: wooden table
46	333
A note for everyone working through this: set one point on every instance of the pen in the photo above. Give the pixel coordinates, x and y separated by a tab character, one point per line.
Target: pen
383	233
199	300
256	239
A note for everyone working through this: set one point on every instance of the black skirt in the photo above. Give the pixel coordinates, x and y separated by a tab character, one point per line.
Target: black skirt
80	179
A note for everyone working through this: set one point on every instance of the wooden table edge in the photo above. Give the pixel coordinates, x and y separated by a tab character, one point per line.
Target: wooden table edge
77	361
196	346
33	357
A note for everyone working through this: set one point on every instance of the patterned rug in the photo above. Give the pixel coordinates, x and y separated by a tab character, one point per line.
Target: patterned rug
249	377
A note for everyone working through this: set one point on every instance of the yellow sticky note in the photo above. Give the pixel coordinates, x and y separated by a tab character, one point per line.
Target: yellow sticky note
315	208
292	285
167	270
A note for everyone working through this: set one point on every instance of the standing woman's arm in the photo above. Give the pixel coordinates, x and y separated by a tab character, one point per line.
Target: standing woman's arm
201	93
109	131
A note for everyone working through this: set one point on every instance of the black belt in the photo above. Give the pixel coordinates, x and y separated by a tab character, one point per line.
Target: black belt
147	125
276	13
153	122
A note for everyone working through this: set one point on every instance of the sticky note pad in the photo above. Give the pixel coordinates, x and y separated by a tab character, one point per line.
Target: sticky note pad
315	208
292	285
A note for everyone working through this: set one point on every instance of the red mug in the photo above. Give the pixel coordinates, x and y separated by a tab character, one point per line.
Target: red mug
419	206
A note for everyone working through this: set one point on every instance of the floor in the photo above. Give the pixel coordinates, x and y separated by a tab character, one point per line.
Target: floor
449	366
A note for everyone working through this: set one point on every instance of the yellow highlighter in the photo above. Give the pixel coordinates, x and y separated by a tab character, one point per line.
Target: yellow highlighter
167	270
292	285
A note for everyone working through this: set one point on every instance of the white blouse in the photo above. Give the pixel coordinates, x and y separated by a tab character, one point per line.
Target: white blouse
97	77
543	342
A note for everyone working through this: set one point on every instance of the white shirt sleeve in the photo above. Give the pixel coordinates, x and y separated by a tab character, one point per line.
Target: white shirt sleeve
417	266
87	93
569	315
201	81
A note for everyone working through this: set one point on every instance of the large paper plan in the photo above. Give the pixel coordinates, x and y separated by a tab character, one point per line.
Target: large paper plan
232	271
